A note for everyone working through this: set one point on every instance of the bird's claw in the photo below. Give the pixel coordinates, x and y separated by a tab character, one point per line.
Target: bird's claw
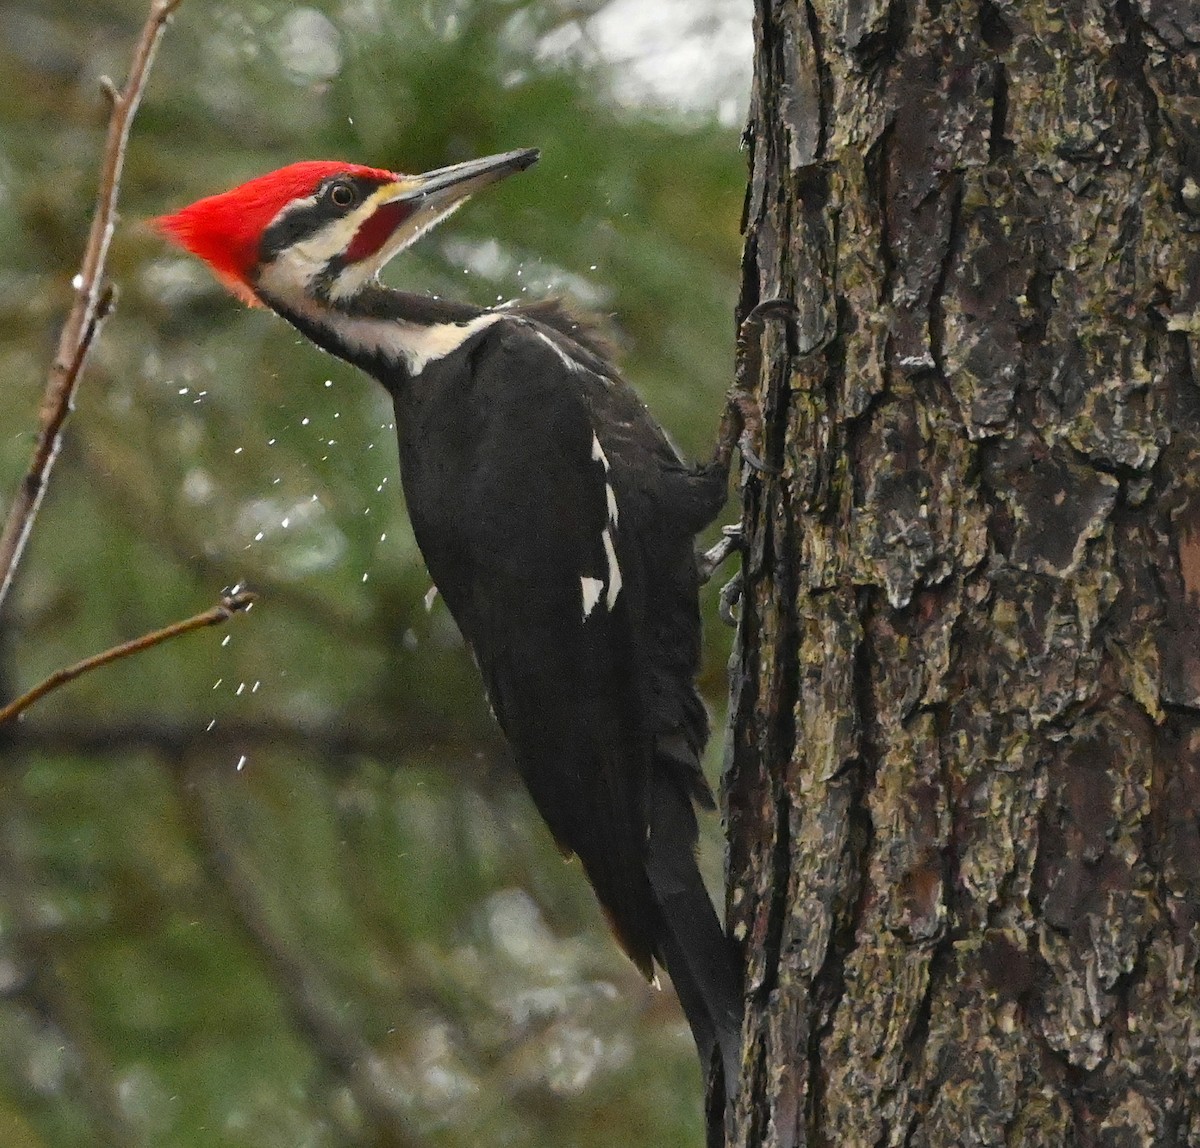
743	421
708	563
730	596
732	541
749	415
767	309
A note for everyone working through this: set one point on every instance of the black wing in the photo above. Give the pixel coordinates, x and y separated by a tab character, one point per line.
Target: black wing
558	522
523	534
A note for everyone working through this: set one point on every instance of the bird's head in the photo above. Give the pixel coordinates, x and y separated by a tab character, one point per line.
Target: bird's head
322	230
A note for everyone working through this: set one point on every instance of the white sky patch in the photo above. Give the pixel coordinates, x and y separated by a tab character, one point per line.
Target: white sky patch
498	264
689	56
309	46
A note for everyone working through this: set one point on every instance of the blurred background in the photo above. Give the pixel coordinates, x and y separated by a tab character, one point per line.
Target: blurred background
275	884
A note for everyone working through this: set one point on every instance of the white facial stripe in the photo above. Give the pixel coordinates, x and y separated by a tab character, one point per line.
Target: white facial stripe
416	345
298	269
354	276
427	344
300	265
413	344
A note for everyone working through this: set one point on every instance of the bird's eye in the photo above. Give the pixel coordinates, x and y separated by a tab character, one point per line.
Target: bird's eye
342	195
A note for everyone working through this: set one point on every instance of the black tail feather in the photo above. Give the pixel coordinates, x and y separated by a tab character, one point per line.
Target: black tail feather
690	942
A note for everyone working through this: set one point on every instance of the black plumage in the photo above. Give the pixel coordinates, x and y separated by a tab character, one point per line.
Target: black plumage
557	521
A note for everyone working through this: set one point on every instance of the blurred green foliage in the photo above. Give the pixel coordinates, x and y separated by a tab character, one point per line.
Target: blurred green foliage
275	884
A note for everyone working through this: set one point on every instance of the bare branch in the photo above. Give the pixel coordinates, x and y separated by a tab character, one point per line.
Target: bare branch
92	300
221	612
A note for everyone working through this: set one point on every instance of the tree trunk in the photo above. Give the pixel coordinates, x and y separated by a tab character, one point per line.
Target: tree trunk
964	777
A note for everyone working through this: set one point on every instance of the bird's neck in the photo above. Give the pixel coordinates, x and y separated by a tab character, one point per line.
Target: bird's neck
393	335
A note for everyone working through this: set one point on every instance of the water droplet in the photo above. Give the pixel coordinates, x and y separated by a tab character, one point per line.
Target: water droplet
77	282
329	382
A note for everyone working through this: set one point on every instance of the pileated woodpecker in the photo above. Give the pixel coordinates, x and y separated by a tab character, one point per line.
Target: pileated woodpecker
556	519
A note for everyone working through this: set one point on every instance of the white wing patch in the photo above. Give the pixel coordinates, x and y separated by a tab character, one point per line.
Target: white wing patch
610	495
568	362
592	589
598	454
614	571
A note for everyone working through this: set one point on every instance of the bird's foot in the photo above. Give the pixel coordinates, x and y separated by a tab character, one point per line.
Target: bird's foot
767	309
751	417
730	596
716	555
742	422
741	426
731	541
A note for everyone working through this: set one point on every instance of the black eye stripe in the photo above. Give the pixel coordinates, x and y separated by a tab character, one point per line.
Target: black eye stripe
293	226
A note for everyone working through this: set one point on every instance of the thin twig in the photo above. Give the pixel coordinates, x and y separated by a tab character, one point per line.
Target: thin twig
92	300
221	612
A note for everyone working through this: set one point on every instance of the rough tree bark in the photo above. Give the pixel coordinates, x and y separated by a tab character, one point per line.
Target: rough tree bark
964	776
